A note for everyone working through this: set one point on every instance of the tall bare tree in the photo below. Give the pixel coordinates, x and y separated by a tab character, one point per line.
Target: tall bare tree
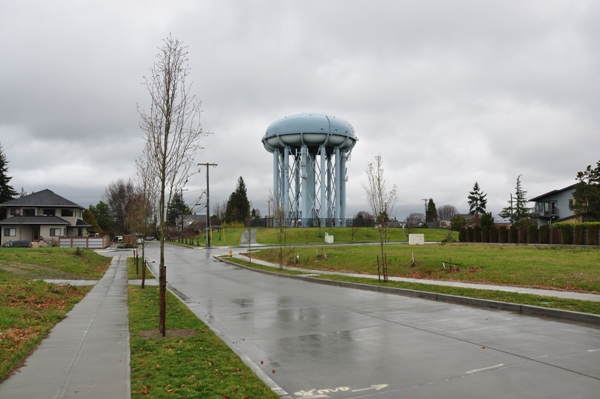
381	198
279	222
446	212
172	129
118	195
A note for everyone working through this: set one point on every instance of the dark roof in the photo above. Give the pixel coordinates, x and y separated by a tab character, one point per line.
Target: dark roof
550	193
44	220
81	223
42	198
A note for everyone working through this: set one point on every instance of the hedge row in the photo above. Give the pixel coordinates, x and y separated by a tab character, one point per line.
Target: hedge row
565	233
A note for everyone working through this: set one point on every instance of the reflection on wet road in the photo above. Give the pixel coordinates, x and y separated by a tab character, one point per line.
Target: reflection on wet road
320	341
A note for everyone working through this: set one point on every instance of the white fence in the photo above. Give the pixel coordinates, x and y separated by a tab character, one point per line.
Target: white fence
84	242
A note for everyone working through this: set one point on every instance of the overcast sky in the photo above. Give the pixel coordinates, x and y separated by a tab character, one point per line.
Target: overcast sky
448	92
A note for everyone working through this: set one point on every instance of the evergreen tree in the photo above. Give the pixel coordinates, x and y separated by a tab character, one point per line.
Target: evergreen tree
487	220
238	206
431	215
517	212
103	216
177	208
477	201
89	218
7	192
586	198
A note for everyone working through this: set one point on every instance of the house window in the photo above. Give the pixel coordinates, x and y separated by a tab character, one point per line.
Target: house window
29	212
55	232
15	211
66	212
570	202
49	212
8	232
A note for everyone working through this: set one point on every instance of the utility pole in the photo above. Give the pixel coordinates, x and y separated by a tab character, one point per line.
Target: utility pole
425	199
207	201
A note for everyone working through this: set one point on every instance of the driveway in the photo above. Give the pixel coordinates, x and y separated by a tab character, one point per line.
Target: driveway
317	341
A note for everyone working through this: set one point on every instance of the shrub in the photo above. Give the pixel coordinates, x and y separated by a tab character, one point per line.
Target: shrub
566	234
522	235
502	235
592	235
462	234
493	234
532	235
544	234
578	236
476	234
469	234
485	234
513	235
555	235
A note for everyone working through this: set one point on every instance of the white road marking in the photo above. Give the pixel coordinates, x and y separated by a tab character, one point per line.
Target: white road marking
485	368
593	350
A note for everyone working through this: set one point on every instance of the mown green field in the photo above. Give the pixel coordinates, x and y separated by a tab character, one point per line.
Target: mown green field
313	235
29	308
310	235
565	268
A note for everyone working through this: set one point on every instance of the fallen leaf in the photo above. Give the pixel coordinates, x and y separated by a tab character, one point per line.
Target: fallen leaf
273	371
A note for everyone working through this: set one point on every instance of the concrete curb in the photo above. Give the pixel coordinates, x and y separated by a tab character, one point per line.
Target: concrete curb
526	310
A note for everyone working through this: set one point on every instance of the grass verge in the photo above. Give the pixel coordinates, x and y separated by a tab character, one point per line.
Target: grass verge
135	273
550	267
502	296
198	366
29	308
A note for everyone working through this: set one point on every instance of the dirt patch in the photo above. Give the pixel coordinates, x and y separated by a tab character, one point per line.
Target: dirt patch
23	268
171	333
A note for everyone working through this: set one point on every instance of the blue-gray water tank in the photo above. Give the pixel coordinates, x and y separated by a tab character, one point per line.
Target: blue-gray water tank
312	130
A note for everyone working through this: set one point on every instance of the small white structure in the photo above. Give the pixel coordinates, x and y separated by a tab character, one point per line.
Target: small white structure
328	239
416	239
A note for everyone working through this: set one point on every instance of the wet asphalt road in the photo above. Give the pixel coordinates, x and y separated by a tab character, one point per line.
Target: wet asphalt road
318	341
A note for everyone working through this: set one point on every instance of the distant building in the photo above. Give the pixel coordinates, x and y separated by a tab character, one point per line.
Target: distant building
41	214
554	206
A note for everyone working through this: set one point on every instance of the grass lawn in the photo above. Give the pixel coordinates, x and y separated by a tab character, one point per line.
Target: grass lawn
563	268
29	308
135	273
198	366
310	235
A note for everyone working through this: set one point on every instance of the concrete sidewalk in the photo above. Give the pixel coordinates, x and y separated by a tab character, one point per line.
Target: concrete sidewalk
86	355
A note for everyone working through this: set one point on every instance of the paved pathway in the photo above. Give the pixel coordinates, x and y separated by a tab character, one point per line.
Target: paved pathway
86	355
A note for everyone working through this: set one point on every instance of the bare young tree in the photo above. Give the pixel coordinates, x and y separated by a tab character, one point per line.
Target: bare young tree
279	222
382	200
446	212
415	219
172	130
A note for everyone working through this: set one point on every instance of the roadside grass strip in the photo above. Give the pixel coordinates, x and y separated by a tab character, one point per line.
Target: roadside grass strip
194	363
135	272
29	307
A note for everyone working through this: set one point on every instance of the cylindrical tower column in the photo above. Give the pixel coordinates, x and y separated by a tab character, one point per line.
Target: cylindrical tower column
323	209
286	183
343	188
338	173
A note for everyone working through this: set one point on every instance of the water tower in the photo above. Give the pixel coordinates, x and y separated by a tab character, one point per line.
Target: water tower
309	167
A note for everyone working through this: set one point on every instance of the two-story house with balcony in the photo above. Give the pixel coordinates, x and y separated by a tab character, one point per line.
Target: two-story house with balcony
41	215
553	206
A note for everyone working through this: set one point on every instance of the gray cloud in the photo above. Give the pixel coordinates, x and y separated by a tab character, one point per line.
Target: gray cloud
448	92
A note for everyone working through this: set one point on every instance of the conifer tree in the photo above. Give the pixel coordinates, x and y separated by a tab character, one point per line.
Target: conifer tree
238	206
7	192
517	211
477	201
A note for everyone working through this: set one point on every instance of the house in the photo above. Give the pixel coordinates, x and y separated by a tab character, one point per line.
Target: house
41	215
553	206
